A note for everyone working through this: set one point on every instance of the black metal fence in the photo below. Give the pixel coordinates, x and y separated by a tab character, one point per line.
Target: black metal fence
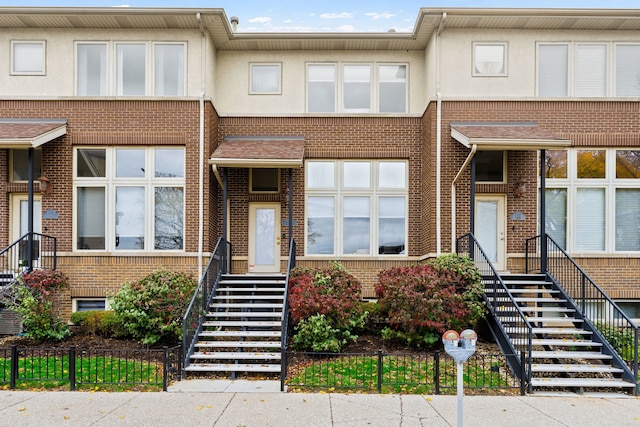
55	367
399	373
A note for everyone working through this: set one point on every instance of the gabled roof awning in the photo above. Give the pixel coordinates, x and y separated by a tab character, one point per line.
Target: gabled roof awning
25	133
259	152
506	136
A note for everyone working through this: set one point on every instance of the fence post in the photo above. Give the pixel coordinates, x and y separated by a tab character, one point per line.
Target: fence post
13	376
180	358
283	367
379	371
523	389
165	370
72	368
436	370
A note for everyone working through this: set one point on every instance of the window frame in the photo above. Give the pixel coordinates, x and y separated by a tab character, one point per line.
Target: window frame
106	70
374	192
505	59
111	183
504	168
37	163
154	68
252	67
252	191
15	43
75	300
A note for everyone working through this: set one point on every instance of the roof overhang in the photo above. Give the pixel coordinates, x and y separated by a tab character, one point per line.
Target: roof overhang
25	133
259	152
506	136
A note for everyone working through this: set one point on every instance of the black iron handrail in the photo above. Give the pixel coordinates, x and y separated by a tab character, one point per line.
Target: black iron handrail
219	264
610	325
503	309
285	314
14	259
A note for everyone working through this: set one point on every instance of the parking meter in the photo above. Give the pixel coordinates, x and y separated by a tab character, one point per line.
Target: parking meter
460	346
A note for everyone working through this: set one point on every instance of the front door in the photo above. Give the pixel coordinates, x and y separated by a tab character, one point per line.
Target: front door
490	230
20	215
264	237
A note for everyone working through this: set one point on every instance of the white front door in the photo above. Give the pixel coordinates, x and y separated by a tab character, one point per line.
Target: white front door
490	230
20	215
264	237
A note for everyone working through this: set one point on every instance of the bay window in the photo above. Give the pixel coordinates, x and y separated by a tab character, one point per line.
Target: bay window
129	199
356	207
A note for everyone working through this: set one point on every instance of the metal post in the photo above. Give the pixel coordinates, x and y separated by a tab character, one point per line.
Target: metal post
224	219
30	202
72	368
436	371
290	204
165	362
460	389
472	197
543	215
13	375
380	361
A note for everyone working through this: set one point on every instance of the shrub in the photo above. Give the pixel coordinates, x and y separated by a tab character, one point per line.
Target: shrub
325	306
35	298
105	323
423	301
151	308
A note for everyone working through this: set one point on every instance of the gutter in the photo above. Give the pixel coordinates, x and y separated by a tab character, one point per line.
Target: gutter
439	142
201	169
474	148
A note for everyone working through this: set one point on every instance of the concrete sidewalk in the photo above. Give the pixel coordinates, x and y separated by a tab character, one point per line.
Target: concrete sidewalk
262	409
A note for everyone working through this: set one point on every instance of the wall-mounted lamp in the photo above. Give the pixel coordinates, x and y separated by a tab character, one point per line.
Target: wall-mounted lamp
519	188
46	187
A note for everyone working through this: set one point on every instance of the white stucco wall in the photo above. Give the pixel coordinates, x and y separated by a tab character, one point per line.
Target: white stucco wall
232	79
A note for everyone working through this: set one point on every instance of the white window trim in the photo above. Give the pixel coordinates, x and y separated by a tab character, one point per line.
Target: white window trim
614	62
154	72
257	92
43	72
109	77
110	182
148	66
339	86
74	302
505	59
610	183
374	192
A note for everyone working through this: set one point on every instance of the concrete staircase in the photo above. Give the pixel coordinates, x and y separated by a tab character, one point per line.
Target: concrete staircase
564	355
242	330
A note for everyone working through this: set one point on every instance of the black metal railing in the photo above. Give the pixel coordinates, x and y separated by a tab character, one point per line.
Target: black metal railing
400	373
508	323
219	264
80	368
291	263
611	326
15	259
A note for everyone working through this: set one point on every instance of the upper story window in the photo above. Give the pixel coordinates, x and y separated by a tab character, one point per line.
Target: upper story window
357	88
129	198
28	57
584	69
265	79
20	164
137	72
489	59
490	166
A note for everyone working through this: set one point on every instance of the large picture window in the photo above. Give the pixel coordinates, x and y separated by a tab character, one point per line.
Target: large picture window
593	199
356	207
129	199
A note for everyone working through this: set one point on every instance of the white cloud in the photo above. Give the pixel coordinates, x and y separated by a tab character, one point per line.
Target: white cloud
346	29
287	21
375	15
260	20
342	15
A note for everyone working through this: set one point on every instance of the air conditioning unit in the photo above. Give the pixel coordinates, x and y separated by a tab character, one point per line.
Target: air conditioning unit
10	322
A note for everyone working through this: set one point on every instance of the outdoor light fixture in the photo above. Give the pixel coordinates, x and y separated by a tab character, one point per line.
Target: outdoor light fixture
519	188
46	187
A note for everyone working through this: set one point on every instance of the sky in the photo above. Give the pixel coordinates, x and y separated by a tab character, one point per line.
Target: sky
327	15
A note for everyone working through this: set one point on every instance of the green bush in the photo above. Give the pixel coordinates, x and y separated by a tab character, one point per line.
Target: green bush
105	323
423	301
325	307
35	297
152	308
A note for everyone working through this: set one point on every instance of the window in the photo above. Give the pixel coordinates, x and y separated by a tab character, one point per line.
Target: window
20	164
169	67
591	70
593	199
91	78
265	79
356	207
131	69
264	180
490	166
489	59
357	88
28	57
129	198
553	66
89	304
627	70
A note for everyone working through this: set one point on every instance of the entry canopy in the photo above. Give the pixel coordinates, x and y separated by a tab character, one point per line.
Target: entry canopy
259	152
25	133
506	136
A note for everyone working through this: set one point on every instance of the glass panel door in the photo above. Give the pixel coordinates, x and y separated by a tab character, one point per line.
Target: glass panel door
264	238
490	228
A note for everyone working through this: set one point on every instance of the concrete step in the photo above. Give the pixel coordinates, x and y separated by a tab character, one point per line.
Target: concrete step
525	291
242	323
539	300
231	367
554	319
215	305
247	314
239	344
580	382
238	355
561	342
564	354
252	282
250	289
533	309
550	331
574	368
268	334
264	297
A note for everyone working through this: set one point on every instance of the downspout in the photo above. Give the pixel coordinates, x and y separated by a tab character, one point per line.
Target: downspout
439	141
474	147
201	147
